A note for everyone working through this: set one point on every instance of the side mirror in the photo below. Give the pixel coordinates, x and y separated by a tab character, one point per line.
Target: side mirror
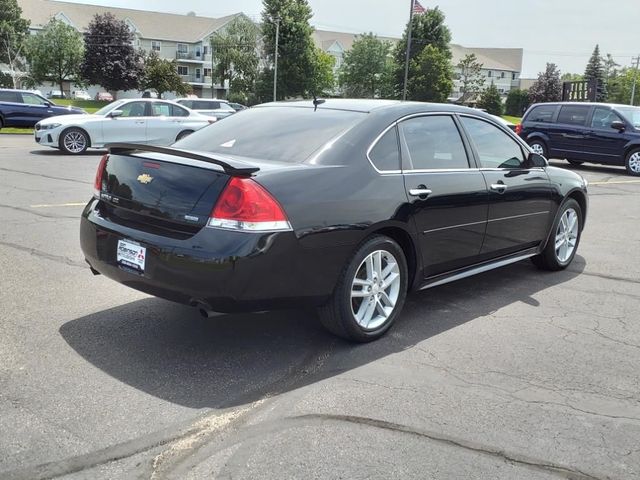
115	113
536	161
618	125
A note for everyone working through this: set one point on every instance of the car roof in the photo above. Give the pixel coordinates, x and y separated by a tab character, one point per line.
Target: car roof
586	104
16	90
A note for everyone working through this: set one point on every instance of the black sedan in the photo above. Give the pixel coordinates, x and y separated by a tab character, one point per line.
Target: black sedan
344	205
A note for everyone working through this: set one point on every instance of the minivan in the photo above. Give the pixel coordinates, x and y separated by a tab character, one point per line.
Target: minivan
601	133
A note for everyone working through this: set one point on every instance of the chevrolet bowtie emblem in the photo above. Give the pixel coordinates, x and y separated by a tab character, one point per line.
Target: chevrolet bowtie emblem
145	178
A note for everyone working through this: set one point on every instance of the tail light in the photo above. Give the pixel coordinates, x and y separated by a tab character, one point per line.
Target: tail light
518	129
97	184
246	206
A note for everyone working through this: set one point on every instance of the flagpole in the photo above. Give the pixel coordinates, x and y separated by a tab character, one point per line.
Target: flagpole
406	63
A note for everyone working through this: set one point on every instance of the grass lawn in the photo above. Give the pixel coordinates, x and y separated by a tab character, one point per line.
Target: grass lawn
24	131
515	120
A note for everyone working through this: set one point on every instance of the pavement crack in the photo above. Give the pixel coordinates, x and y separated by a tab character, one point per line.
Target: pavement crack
605	276
44	176
512	457
48	256
38	214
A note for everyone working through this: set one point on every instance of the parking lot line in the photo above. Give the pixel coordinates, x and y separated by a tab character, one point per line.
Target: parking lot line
614	182
80	204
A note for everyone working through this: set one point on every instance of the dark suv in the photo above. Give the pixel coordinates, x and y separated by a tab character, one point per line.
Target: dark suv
21	108
585	132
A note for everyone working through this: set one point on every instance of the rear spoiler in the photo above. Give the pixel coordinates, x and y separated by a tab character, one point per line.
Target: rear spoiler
125	148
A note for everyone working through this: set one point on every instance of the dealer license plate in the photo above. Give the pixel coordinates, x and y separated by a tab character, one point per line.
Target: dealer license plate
131	255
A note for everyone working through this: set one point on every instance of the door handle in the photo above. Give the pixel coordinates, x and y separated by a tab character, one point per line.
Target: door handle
421	191
498	187
139	122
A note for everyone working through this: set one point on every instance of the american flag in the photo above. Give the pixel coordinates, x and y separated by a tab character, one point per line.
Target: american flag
417	8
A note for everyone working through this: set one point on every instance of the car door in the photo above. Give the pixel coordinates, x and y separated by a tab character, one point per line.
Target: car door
447	195
571	132
166	123
129	127
519	196
604	143
35	107
11	109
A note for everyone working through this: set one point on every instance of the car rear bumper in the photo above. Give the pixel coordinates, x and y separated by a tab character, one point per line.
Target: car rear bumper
224	271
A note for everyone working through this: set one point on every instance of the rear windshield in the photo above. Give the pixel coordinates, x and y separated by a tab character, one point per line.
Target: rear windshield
285	134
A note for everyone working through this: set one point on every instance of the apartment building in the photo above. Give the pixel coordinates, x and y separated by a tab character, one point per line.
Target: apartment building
184	38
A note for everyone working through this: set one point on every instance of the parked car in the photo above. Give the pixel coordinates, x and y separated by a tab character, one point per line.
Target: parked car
237	106
208	106
155	122
149	94
585	132
81	95
56	94
510	125
22	108
345	208
104	97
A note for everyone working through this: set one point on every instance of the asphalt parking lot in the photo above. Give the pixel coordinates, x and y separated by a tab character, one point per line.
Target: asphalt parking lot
514	374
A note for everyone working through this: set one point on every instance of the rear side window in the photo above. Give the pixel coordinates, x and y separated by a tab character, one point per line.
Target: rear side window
186	103
433	142
385	155
9	97
496	149
573	114
205	105
542	113
178	112
273	133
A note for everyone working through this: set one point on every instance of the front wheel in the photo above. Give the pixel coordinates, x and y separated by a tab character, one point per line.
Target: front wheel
74	141
563	242
632	162
370	293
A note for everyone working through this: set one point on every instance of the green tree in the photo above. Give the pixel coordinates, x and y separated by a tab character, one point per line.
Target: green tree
517	102
161	76
595	71
235	57
427	29
430	76
621	85
365	68
572	77
296	50
491	101
55	54
110	58
13	33
322	80
548	86
470	75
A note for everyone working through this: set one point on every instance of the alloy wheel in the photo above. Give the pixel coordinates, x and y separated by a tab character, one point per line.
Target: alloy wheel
537	148
566	235
634	162
75	142
375	289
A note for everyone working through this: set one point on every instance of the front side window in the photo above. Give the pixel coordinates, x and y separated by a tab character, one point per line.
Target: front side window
385	155
495	148
33	99
604	117
433	142
133	109
632	114
573	114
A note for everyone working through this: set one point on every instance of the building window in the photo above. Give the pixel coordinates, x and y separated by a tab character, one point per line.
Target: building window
205	49
182	48
489	73
501	74
207	72
198	73
156	46
513	76
182	70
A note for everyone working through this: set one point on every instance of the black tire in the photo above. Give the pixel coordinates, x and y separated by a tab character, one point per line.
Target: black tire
183	134
632	162
543	147
338	316
1	123
548	258
81	140
575	163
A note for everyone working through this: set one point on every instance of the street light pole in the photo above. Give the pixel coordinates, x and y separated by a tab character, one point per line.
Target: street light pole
406	62
635	78
275	67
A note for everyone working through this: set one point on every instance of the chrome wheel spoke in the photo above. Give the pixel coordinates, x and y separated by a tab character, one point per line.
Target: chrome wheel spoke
361	282
386	299
566	238
359	293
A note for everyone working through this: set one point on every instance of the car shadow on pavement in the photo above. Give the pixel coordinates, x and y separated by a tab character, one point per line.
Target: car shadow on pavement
589	168
168	351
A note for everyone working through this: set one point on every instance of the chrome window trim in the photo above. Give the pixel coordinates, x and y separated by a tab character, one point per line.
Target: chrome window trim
373	145
485	221
518	216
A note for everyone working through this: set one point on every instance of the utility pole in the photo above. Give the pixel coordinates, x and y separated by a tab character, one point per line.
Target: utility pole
635	77
275	67
406	63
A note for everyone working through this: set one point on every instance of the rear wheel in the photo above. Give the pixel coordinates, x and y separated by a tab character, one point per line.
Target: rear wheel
184	134
632	162
563	243
1	123
74	141
575	163
370	293
539	147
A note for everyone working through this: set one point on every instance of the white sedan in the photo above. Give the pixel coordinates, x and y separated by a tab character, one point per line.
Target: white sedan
145	121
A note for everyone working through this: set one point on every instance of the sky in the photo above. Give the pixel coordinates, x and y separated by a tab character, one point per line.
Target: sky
559	31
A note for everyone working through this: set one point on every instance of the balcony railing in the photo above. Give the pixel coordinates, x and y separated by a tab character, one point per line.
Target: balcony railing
190	56
196	79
